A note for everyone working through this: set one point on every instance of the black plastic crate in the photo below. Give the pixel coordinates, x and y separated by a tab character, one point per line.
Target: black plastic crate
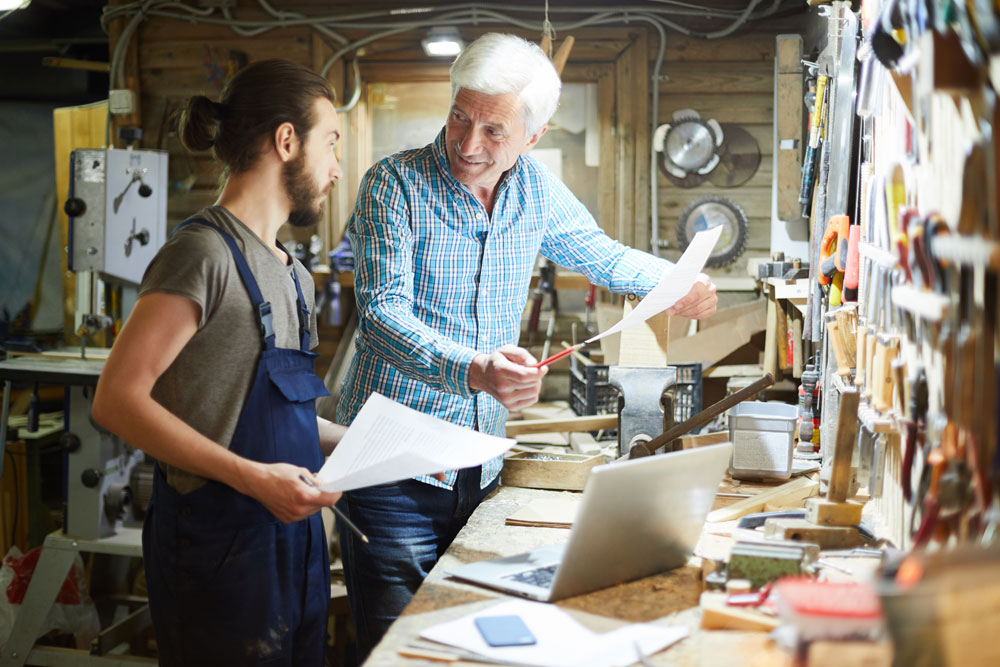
590	393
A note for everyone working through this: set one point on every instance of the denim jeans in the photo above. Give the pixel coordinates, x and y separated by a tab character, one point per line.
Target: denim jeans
410	524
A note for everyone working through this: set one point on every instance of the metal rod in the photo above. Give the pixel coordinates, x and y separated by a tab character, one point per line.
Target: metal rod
704	416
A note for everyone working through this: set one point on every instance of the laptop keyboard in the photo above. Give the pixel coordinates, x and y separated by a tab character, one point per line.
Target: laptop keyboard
542	576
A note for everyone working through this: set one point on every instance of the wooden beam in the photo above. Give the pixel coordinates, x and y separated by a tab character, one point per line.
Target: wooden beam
788	119
72	128
76	63
562	425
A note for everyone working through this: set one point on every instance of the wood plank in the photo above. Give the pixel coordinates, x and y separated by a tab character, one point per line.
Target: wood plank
643	153
703	439
739	47
755	202
717	615
292	44
789	89
715	343
795	491
606	174
407	47
72	127
625	151
562	424
387	71
761	179
733	77
744	108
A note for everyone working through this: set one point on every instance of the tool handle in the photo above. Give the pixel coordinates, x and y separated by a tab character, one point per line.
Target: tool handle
709	413
808	175
837	343
853	264
871	345
837	289
862	357
908	455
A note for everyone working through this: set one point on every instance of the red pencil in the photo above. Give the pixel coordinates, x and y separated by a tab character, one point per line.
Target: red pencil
558	355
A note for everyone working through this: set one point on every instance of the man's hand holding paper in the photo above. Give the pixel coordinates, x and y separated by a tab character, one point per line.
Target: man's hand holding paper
683	290
388	442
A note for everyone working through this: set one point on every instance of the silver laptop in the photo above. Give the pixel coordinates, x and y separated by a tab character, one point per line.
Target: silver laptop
638	518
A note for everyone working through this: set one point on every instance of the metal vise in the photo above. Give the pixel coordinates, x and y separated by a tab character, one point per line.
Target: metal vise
641	413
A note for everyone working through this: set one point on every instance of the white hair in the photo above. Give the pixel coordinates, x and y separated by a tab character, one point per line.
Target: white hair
498	64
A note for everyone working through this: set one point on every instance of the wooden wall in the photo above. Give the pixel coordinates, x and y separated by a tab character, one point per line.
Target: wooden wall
731	80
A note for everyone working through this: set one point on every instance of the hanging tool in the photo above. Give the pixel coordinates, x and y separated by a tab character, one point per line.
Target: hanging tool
833	248
810	163
833	257
851	274
916	424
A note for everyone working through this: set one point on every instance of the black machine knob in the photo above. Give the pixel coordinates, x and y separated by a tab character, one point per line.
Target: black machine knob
91	477
69	441
143	236
145	191
75	207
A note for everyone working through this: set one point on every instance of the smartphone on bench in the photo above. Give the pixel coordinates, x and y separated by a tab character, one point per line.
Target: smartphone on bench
504	631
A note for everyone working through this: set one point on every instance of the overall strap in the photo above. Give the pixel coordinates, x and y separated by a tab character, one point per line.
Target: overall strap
261	308
301	309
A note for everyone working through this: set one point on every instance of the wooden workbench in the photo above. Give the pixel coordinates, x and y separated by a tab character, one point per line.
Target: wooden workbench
670	598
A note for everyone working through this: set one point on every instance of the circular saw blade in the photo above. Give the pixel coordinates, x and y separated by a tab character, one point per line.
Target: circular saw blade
739	157
690	181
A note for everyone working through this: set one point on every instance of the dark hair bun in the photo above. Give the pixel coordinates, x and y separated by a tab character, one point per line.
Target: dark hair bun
199	123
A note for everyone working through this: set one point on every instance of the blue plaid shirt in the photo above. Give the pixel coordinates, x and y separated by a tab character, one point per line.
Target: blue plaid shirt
437	281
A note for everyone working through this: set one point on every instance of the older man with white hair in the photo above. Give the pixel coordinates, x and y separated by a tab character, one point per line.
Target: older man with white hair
445	238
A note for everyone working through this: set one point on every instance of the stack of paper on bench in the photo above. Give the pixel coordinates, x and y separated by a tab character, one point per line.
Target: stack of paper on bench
388	442
560	640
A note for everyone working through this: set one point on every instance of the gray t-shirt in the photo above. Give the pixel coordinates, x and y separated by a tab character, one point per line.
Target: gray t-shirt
210	379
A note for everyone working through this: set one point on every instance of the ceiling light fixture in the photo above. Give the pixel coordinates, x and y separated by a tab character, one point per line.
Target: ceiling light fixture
13	4
442	41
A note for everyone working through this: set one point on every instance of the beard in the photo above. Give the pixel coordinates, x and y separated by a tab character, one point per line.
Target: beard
302	192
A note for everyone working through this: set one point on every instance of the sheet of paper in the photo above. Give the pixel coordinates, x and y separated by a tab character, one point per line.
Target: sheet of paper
560	639
673	285
388	442
555	512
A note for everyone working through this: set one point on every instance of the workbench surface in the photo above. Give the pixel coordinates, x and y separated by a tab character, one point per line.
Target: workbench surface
670	598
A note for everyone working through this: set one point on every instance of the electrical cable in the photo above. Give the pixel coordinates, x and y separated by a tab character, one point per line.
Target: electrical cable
389	22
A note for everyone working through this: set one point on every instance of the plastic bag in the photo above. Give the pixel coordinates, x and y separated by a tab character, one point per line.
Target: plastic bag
72	612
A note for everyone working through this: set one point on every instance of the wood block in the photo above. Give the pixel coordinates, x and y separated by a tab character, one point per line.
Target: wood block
792	492
823	512
717	615
537	470
829	653
844	439
703	439
800	530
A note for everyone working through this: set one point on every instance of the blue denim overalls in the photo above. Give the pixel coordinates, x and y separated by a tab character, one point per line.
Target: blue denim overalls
229	584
